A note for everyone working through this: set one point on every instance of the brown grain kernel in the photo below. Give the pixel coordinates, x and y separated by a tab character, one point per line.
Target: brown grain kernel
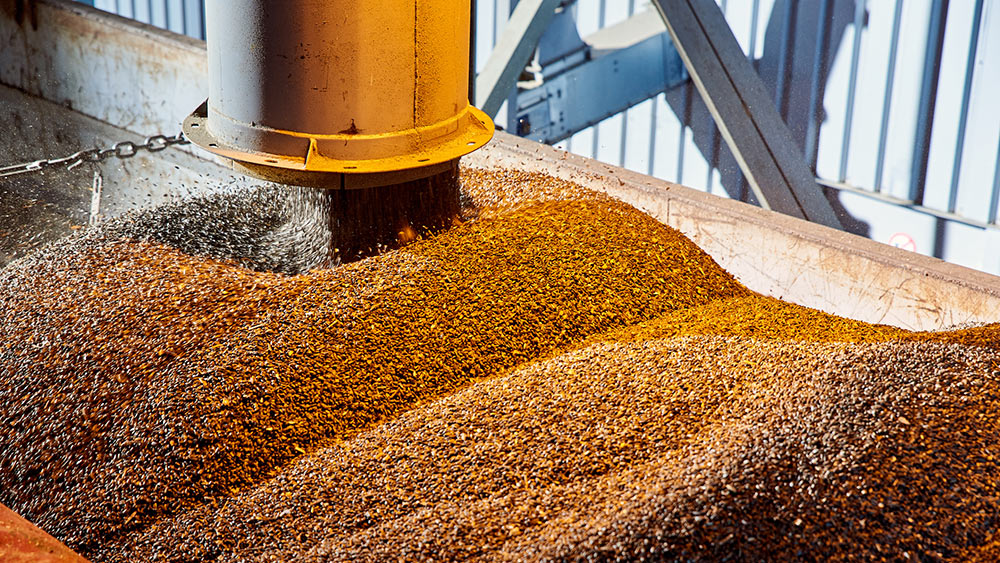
680	448
559	376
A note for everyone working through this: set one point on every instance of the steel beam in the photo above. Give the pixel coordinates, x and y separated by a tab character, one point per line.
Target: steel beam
580	97
512	52
744	112
928	99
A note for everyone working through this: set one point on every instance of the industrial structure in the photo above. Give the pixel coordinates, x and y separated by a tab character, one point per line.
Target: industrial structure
890	102
771	120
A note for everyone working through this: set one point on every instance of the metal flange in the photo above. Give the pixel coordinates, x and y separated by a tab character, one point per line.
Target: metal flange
313	169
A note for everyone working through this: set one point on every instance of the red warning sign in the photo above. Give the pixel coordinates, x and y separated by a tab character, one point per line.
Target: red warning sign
904	241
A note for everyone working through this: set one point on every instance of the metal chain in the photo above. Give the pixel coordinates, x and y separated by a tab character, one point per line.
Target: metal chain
124	149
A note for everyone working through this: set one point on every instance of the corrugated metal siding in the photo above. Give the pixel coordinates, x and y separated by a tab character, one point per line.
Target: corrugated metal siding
180	16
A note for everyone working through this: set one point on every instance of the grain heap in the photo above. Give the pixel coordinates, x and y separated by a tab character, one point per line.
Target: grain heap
27	224
693	448
170	406
267	228
139	380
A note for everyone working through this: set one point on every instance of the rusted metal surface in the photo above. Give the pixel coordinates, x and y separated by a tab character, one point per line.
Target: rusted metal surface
770	253
23	542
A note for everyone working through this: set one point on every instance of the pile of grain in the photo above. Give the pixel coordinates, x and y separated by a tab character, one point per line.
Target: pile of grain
267	228
140	381
694	448
27	224
163	403
756	317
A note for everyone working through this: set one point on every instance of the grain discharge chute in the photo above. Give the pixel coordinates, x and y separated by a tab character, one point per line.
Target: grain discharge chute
365	99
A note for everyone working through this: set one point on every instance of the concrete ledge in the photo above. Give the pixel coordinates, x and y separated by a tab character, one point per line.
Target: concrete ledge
779	255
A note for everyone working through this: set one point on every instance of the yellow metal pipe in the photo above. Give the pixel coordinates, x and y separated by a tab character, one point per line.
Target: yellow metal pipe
344	86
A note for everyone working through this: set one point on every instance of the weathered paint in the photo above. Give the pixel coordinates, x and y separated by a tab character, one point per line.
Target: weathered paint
119	71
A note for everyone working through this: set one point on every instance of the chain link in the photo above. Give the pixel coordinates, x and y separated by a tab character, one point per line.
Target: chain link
124	149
